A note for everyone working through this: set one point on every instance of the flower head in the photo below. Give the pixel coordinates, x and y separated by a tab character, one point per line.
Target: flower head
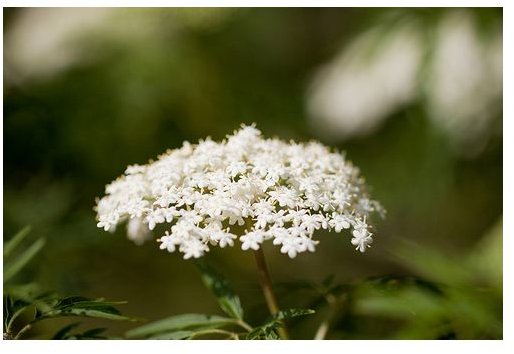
246	188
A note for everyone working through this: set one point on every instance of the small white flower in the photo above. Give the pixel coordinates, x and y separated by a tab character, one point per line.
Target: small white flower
295	216
193	248
168	242
221	237
155	217
279	234
234	216
362	239
227	239
340	222
108	221
292	246
313	222
190	217
171	196
251	240
285	196
309	244
236	167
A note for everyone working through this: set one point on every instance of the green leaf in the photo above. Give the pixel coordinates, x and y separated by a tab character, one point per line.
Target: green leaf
180	322
271	335
107	312
97	313
84	302
81	306
12	268
283	315
269	329
173	335
15	240
70	301
227	299
266	331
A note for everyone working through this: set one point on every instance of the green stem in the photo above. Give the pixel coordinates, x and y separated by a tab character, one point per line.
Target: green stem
214	331
244	325
267	288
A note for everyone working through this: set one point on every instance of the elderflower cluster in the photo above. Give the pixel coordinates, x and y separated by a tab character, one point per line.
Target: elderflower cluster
244	188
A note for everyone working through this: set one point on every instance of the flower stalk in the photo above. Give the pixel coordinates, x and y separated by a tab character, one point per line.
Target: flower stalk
267	288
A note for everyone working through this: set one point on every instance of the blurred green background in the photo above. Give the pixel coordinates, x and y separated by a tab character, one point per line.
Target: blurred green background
414	96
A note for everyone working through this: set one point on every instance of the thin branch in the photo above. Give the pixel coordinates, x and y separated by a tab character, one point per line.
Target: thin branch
267	288
334	304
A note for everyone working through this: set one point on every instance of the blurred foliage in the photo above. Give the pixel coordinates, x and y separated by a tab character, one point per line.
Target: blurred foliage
447	297
143	80
462	299
27	304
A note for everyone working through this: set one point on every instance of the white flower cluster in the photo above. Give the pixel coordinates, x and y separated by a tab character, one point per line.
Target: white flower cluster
247	188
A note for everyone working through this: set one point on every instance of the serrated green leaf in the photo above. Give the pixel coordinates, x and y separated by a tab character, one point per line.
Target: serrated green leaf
227	299
290	313
266	331
180	322
269	329
14	266
15	240
271	335
81	306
